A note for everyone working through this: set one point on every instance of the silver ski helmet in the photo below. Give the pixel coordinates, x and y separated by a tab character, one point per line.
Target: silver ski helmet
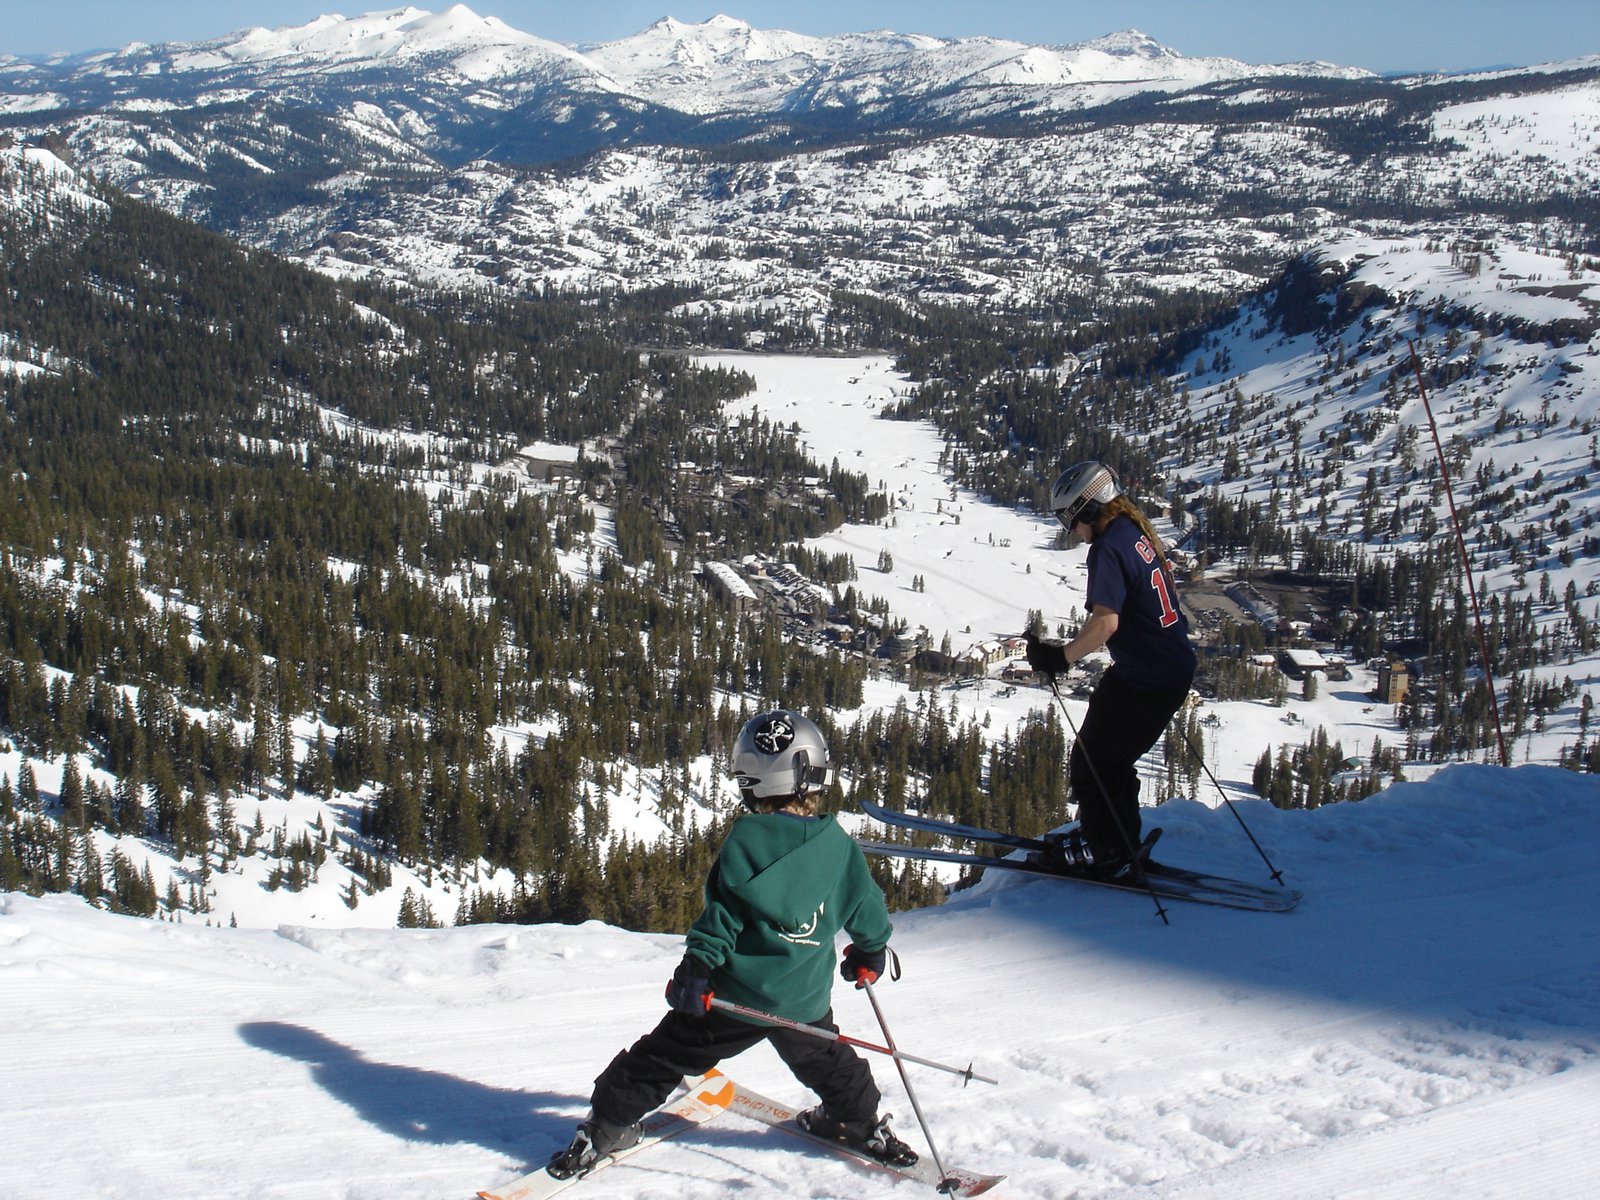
780	754
1081	491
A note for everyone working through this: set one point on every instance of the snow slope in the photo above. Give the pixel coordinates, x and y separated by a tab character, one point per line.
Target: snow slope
985	565
1425	1024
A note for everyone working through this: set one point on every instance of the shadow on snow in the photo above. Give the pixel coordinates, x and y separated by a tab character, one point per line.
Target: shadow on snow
424	1106
1470	896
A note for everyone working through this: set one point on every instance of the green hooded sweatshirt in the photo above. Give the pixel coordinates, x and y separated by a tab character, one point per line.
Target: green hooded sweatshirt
782	887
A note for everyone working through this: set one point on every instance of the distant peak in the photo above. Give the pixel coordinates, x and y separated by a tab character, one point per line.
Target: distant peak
455	16
721	21
1130	43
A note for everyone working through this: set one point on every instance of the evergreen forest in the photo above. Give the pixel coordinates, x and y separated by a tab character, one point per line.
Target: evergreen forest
264	534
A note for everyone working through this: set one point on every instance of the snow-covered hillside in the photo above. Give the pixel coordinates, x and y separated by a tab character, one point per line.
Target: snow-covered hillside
1326	412
1426	1023
724	64
769	167
478	48
1101	211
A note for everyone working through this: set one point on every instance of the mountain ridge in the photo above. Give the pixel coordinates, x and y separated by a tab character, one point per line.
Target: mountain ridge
720	66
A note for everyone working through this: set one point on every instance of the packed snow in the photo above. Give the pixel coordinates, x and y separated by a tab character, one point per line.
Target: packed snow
1426	1023
985	565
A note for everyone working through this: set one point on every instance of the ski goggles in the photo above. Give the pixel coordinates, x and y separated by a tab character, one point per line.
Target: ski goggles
808	778
1073	513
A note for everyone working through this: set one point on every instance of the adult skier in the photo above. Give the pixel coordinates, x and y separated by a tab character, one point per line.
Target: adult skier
1134	613
785	882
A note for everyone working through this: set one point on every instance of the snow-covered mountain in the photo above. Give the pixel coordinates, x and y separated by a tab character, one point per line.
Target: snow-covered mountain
1453	210
1424	1024
480	48
458	40
768	167
720	65
461	86
725	65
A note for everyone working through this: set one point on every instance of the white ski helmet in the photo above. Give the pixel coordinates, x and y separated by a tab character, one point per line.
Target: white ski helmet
1081	490
780	754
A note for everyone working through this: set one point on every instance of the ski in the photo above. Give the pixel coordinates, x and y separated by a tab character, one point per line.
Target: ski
707	1098
1224	883
950	828
956	1182
1171	882
1177	882
976	833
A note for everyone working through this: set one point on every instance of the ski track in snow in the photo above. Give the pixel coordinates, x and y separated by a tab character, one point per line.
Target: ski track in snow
1426	1023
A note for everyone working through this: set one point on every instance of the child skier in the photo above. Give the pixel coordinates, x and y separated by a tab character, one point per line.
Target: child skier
785	882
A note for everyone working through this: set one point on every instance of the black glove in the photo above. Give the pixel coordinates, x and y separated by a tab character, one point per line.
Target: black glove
862	967
689	990
1048	658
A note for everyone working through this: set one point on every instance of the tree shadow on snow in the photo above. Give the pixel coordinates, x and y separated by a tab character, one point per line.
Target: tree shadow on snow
419	1105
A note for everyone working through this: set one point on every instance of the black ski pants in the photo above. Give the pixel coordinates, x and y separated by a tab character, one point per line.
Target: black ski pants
642	1076
1122	723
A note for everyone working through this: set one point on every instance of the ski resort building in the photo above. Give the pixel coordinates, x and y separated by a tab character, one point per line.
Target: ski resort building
1297	664
1394	681
730	585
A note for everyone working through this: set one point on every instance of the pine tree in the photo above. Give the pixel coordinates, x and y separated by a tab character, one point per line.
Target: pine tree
73	810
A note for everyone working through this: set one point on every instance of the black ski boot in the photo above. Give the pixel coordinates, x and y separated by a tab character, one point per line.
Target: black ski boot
594	1140
1066	852
874	1140
1070	854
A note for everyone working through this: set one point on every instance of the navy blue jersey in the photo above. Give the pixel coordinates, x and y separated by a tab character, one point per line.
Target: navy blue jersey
1151	645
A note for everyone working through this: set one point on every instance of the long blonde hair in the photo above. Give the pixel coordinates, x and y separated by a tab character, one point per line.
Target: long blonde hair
1120	506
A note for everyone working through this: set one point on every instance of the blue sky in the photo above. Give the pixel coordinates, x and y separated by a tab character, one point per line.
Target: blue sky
1381	35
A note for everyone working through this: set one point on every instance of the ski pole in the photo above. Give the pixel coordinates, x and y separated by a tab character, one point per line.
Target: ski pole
829	1035
946	1185
1133	851
1277	875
